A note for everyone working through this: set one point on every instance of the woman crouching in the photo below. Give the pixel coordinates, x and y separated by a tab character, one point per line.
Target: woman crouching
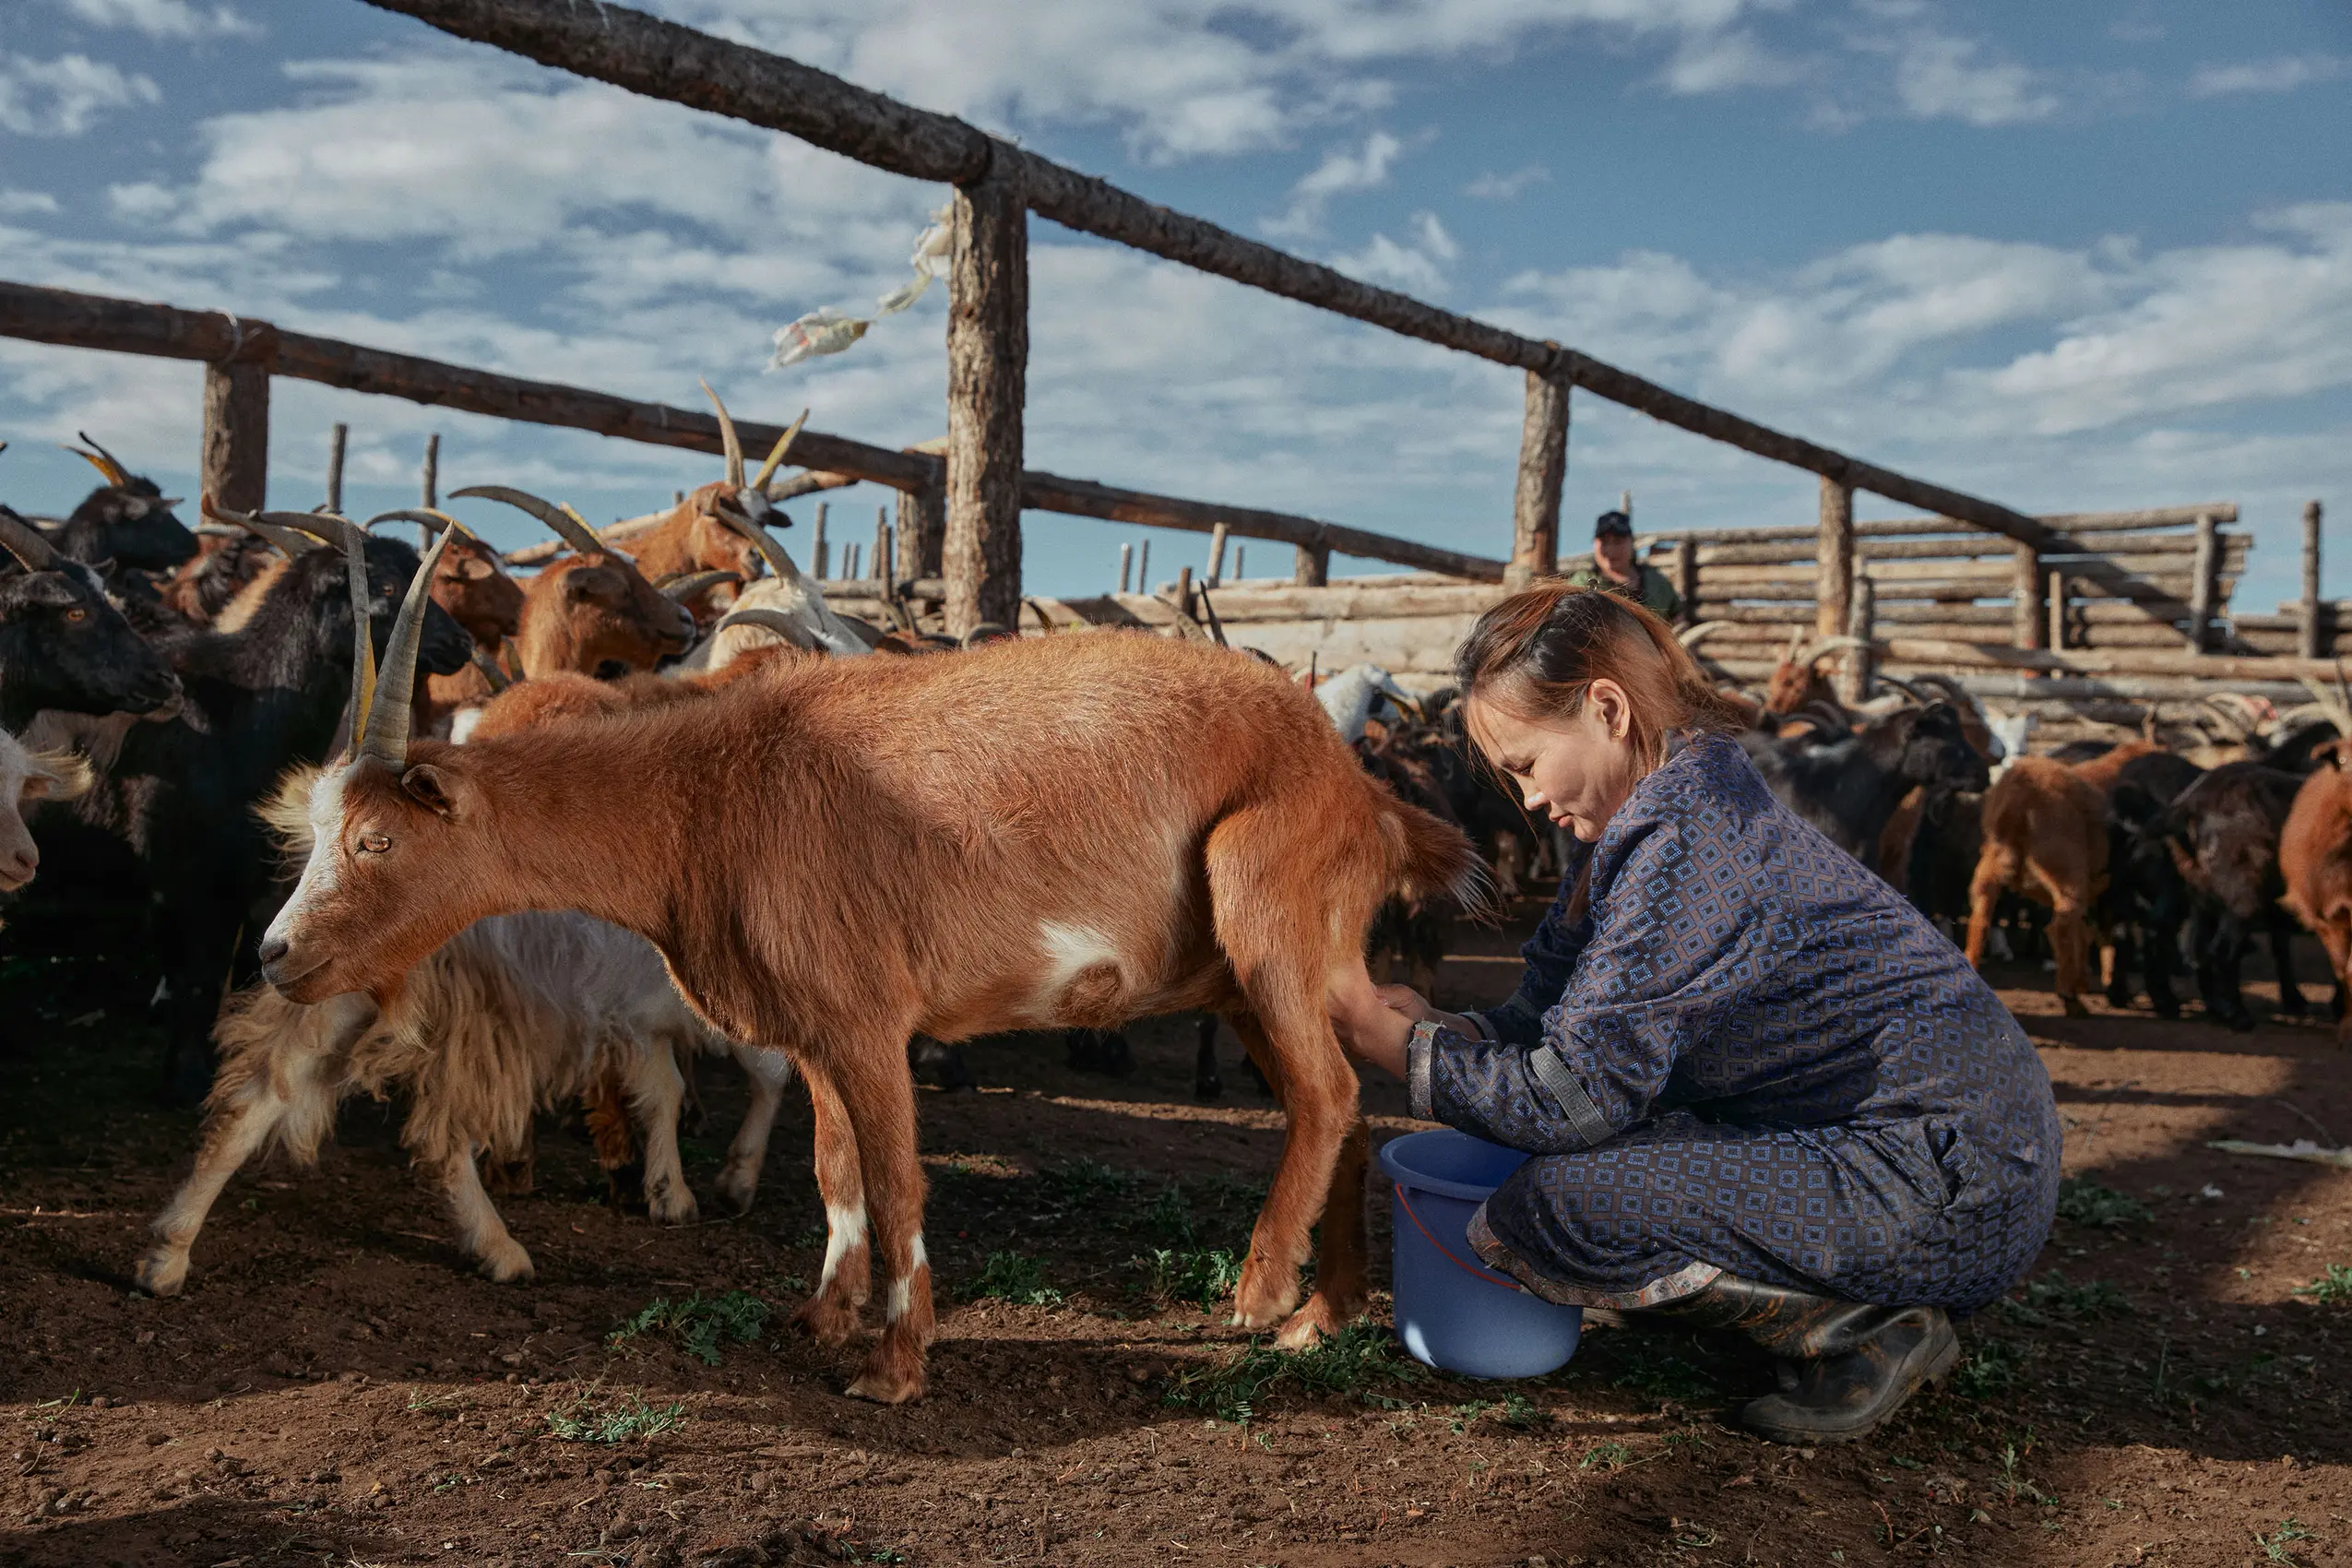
1765	1094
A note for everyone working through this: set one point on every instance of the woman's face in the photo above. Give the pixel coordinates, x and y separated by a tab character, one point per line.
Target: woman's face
1576	771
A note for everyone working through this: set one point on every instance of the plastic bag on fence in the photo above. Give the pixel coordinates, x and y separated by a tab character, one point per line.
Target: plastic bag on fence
829	331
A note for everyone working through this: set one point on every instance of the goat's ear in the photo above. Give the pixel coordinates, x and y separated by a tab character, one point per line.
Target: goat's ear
430	788
599	584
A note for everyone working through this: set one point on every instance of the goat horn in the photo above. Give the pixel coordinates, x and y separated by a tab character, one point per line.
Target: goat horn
569	526
108	468
2338	711
111	461
290	532
776	457
680	586
21	539
499	680
728	438
354	543
1692	637
1824	647
986	631
763	541
392	710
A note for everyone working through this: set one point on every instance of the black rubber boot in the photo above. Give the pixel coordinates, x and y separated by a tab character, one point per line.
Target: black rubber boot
1844	1366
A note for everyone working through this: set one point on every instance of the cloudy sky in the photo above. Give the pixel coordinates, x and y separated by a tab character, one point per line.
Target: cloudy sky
2072	256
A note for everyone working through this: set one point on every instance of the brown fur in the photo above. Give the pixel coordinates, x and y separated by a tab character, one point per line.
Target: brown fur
692	538
579	614
2315	860
835	855
2045	836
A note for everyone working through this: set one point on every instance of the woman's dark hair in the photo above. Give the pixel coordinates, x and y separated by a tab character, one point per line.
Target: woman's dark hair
1537	653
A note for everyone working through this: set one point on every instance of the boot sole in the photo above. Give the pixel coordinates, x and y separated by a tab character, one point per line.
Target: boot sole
1939	1367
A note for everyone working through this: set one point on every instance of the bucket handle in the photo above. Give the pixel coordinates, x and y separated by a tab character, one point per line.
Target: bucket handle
1407	1204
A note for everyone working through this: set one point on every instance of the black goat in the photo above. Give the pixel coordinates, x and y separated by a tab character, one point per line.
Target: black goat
1849	786
2147	900
2226	825
171	822
127	520
63	645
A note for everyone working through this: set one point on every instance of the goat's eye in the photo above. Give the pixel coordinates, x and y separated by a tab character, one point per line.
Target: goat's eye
375	843
76	616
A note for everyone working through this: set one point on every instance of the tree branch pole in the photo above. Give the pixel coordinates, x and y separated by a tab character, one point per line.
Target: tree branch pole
987	351
233	467
1833	570
660	59
1543	467
2311	634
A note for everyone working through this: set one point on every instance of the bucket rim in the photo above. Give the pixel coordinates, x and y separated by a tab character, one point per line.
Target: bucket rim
1420	1181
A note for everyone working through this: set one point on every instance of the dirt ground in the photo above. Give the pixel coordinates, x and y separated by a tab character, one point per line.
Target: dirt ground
336	1387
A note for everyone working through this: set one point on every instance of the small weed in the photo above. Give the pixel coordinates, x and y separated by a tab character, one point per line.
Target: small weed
1523	1414
1170	1218
2275	1544
1991	1370
2333	1289
1464	1415
1016	1277
2085	1202
2052	1296
1087	1183
701	1325
1606	1456
2014	1485
624	1421
1347	1362
423	1404
1202	1276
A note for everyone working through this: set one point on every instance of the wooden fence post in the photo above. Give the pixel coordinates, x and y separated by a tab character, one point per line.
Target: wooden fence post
1309	568
2058	587
1126	566
820	549
1834	576
234	465
885	558
1143	567
2312	638
1543	465
1216	538
987	351
432	477
2202	583
922	533
335	444
1686	580
1855	670
2025	617
1240	557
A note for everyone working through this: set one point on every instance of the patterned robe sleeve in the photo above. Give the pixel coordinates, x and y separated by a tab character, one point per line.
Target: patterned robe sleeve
1551	956
1650	980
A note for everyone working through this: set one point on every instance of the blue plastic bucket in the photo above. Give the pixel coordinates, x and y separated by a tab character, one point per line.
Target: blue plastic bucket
1453	1312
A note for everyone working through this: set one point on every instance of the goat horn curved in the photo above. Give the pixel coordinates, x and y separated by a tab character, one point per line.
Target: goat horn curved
764	543
568	525
728	438
108	470
776	456
1824	647
985	632
1692	637
354	542
680	586
291	533
21	539
393	709
499	680
112	462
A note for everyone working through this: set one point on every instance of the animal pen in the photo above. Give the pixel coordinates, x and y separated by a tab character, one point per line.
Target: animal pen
2073	617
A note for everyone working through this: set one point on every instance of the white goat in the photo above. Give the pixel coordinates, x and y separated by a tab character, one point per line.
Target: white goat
27	779
512	1014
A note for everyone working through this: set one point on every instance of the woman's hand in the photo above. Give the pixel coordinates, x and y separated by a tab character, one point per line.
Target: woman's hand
1415	1007
1375	1022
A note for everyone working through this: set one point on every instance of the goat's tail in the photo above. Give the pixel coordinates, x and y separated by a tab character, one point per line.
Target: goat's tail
1430	859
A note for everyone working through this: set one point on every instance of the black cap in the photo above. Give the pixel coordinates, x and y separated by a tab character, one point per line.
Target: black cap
1612	522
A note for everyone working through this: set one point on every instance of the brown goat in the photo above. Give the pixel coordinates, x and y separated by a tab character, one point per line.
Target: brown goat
695	537
835	855
2045	838
1799	679
2315	860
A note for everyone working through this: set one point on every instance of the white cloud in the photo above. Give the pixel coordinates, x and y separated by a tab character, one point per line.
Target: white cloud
2284	74
162	18
1721	62
17	204
1492	186
1417	266
65	96
1343	171
1939	78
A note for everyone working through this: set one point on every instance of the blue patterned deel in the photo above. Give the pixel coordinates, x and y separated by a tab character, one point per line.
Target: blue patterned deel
1748	1054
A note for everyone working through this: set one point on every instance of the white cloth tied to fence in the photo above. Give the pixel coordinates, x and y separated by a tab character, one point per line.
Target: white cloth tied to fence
829	331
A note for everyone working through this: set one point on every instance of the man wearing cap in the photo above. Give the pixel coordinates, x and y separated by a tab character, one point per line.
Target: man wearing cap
1614	568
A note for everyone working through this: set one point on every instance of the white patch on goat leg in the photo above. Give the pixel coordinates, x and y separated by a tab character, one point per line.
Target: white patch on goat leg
902	1290
844	1229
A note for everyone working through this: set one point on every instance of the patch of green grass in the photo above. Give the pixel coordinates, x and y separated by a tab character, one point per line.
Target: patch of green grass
1351	1363
625	1420
2084	1202
1523	1414
1016	1277
1990	1370
1200	1276
1088	1183
1606	1456
1169	1218
702	1325
2275	1544
1646	1364
2333	1289
2051	1296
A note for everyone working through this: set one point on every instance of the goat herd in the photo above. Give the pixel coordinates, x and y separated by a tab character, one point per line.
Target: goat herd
777	849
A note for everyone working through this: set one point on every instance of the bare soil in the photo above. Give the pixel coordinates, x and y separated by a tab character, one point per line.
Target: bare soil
337	1387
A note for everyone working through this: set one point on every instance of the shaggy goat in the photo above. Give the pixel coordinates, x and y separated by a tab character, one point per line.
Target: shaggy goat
513	1013
1067	832
27	777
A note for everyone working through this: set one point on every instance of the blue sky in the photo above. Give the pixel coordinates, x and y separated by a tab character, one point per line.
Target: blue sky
2065	257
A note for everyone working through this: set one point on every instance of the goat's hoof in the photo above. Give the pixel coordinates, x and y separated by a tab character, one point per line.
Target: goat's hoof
1264	1296
671	1209
1311	1324
2075	1008
161	1272
739	1188
828	1319
889	1378
2293	1006
509	1265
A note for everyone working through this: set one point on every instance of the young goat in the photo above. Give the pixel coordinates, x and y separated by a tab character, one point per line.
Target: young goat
2315	860
834	855
513	1013
27	777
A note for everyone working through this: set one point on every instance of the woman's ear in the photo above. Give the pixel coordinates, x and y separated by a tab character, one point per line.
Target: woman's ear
1612	707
